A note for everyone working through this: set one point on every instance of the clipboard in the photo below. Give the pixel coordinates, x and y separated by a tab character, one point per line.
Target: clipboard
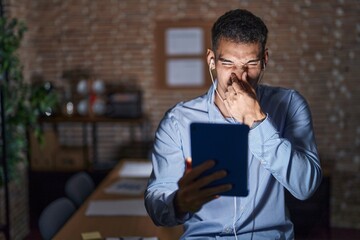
227	144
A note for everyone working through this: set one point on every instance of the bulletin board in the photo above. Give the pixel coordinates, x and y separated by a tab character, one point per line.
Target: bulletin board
180	54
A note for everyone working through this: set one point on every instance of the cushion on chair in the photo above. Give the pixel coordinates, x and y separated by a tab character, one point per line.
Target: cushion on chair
54	216
79	187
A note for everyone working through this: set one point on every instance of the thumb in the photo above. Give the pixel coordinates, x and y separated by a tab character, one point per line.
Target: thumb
188	164
244	76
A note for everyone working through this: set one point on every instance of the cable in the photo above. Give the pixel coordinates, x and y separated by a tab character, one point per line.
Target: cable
215	87
217	92
234	220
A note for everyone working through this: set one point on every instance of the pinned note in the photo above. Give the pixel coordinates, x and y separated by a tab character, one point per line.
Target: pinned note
91	236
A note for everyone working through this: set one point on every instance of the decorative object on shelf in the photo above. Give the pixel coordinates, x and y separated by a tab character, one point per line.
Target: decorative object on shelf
92	102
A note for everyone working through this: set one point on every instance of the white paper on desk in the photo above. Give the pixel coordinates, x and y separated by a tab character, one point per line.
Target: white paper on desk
127	187
136	169
129	207
131	238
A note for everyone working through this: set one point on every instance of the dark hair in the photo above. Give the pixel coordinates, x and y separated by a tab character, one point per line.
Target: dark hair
240	26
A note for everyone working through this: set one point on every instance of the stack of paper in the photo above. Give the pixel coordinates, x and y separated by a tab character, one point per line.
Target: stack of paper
130	207
132	238
127	187
136	169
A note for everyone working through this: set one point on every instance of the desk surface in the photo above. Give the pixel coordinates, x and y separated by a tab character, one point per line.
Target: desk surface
113	226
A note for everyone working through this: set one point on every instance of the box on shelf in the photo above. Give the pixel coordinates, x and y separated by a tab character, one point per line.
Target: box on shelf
126	104
70	158
42	155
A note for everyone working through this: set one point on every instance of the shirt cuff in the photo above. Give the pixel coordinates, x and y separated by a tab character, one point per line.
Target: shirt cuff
173	213
260	134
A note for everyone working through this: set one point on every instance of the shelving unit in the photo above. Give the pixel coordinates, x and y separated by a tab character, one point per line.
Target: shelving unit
91	155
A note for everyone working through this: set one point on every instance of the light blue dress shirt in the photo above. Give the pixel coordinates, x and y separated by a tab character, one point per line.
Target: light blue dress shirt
282	154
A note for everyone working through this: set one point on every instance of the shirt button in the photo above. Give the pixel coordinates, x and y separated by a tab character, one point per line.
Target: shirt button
228	230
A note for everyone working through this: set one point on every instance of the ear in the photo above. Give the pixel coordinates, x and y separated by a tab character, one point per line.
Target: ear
210	57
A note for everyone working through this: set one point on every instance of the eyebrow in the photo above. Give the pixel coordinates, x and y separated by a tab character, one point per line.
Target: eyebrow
229	61
225	60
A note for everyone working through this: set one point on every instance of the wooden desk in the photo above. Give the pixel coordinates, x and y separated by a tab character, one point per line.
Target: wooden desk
113	226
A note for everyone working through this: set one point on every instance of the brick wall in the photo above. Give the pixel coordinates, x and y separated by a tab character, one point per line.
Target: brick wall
314	48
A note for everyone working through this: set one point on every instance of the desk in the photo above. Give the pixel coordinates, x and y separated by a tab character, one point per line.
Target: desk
113	226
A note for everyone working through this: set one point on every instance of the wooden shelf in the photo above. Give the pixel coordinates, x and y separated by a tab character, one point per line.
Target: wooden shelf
89	150
91	119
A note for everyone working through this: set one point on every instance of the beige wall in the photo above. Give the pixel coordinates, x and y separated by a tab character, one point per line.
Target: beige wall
314	48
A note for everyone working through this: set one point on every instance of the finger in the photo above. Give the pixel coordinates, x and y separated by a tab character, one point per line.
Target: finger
248	89
233	78
234	81
195	172
188	164
213	192
244	76
236	84
206	180
227	104
193	191
195	201
228	92
238	88
207	195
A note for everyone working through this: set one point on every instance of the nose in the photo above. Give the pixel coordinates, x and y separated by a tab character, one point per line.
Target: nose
239	70
238	76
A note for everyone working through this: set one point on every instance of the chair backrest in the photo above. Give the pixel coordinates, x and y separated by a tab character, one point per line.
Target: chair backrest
54	216
79	187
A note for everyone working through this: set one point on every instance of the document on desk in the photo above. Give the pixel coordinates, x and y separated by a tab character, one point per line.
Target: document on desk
128	207
127	186
131	238
136	169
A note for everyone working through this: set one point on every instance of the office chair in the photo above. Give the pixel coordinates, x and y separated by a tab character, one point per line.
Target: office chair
54	216
79	187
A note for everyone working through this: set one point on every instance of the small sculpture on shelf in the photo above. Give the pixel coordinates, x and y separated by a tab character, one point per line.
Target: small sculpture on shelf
92	102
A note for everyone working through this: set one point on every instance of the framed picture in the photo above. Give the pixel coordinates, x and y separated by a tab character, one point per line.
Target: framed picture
180	55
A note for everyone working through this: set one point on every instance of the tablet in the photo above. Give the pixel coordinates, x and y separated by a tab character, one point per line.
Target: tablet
227	145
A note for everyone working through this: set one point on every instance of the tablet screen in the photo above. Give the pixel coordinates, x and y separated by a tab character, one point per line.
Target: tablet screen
227	145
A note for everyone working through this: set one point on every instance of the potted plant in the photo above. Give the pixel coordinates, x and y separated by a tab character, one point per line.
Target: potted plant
23	103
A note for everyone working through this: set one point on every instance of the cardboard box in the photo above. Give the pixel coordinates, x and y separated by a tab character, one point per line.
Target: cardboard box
70	158
42	156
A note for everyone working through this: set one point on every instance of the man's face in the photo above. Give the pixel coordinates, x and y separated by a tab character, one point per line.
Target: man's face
245	60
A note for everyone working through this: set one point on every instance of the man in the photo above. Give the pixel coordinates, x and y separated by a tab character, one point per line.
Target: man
282	149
